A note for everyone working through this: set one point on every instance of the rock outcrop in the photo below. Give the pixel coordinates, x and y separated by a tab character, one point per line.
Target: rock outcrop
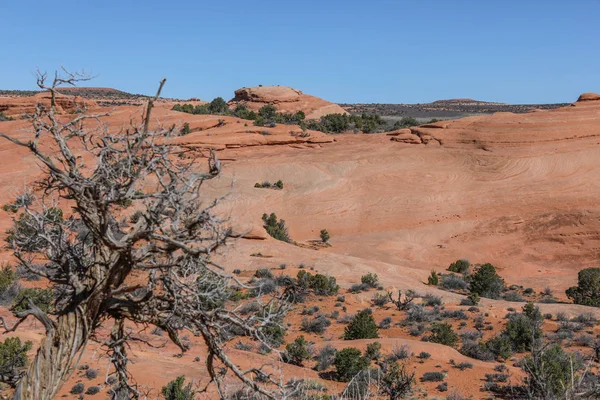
285	99
17	107
589	97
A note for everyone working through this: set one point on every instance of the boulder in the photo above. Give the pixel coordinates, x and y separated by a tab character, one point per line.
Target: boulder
589	97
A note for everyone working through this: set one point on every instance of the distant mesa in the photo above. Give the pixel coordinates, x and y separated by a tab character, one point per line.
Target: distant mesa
589	97
462	101
65	104
286	100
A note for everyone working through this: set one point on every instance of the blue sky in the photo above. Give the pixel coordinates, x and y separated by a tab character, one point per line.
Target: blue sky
403	51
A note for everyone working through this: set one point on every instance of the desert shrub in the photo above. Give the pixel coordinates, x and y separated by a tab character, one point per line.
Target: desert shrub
423	355
243	346
442	333
385	323
263	287
297	352
587	291
276	228
320	284
9	287
91	373
380	299
399	353
430	300
528	291
319	324
325	357
4	117
418	313
584	340
500	346
550	372
416	330
177	390
442	387
460	266
349	362
370	279
273	334
13	359
250	307
373	351
454	314
464	365
359	287
433	377
433	279
396	382
324	236
185	129
523	328
78	388
476	350
453	282
263	273
362	326
486	282
24	273
587	319
92	390
513	296
42	298
496	377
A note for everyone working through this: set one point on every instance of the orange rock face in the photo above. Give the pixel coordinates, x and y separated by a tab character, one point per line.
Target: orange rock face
286	99
17	107
589	97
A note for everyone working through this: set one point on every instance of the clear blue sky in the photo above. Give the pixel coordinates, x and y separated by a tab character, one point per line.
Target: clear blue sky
402	51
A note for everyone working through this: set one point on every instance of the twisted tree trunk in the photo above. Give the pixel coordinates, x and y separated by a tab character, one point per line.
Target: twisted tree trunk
56	358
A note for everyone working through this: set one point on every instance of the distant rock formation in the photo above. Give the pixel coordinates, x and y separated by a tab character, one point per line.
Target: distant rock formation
285	99
588	97
17	107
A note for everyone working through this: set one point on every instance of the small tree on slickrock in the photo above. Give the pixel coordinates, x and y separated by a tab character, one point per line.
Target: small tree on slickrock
91	252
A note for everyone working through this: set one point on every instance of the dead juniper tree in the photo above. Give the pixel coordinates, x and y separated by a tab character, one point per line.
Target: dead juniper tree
154	269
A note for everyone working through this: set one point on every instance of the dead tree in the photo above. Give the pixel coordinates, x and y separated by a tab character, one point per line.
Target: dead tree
90	253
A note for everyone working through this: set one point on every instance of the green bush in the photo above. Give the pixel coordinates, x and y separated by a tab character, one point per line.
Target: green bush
396	381
218	106
433	377
373	351
349	362
322	285
550	372
362	326
460	266
370	279
185	129
4	117
175	390
279	184
273	334
442	333
486	282
13	359
324	236
297	352
41	298
276	228
522	329
433	279
587	291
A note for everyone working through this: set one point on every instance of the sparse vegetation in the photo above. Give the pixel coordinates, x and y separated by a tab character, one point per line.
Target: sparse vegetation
178	390
276	228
